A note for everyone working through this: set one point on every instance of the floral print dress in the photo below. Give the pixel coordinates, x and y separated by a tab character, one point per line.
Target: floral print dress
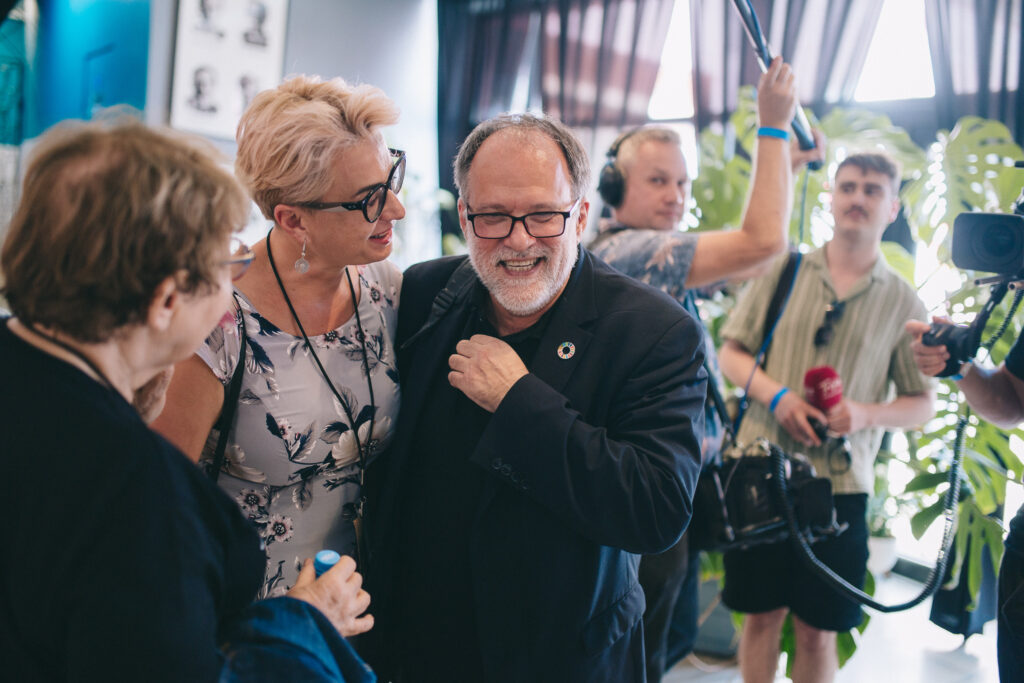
291	461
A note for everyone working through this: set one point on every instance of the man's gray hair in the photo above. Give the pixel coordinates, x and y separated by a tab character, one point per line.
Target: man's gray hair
575	155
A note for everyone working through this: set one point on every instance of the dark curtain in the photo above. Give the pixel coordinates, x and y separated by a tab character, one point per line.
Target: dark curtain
977	58
587	62
825	41
723	59
480	48
600	59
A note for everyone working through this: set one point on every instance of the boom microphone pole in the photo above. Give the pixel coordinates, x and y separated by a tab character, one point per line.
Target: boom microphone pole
801	127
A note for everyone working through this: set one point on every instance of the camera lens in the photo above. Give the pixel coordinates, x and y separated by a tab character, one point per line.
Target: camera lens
996	241
993	243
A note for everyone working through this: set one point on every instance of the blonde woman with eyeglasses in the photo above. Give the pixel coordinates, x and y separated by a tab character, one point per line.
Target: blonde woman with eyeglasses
314	325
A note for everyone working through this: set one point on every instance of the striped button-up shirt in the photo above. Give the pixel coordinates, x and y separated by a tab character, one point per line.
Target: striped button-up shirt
868	348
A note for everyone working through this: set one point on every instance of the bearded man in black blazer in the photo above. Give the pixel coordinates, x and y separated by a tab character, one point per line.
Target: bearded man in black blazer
549	433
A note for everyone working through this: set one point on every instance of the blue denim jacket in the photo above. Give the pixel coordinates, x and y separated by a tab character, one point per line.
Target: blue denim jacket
283	639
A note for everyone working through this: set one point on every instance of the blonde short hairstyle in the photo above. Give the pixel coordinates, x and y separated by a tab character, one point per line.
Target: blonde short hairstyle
290	136
108	212
632	140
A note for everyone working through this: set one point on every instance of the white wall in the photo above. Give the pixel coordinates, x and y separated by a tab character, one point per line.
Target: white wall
388	43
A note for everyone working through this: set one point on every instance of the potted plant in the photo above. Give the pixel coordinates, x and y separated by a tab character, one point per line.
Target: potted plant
884	508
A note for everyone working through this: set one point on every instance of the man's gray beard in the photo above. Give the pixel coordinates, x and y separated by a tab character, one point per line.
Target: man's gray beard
508	296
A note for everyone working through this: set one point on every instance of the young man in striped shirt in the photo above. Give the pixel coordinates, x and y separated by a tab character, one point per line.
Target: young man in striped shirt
847	310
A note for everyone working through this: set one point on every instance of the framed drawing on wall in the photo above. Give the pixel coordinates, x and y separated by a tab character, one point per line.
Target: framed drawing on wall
226	51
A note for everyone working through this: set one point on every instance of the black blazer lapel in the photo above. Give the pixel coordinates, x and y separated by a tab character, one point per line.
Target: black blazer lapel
555	361
566	339
425	356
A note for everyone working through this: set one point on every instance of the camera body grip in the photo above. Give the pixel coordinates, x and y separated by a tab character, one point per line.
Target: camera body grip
958	341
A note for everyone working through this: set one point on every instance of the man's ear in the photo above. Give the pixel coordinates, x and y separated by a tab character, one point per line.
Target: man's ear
895	211
581	221
461	206
163	305
289	219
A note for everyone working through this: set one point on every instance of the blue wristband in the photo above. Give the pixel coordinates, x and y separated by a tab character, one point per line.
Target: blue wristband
777	398
960	373
769	132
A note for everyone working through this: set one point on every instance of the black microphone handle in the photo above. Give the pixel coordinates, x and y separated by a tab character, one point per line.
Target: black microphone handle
802	130
801	127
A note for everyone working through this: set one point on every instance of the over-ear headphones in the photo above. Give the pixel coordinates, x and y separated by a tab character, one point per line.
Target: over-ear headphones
611	184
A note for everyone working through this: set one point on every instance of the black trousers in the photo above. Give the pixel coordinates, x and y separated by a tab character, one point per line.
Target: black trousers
662	578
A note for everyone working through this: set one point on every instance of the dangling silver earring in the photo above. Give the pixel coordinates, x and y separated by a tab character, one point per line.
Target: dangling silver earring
302	265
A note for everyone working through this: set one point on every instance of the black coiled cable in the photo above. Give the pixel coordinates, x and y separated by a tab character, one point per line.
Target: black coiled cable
839	583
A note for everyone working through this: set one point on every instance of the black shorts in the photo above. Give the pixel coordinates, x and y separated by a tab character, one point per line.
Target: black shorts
767	577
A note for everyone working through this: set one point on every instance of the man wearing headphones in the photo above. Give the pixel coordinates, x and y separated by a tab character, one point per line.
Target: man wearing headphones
645	184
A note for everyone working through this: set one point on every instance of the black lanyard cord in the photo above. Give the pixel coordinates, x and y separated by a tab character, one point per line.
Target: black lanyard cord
323	372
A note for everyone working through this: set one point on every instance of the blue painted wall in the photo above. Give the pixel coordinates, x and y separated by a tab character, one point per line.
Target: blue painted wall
12	79
88	53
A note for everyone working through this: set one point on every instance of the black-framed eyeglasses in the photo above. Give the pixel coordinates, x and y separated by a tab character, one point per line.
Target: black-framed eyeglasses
825	333
540	224
372	205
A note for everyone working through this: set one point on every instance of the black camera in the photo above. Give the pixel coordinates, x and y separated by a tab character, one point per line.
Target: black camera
990	242
993	243
740	509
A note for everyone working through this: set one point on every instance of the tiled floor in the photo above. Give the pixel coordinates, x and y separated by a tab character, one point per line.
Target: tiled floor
902	646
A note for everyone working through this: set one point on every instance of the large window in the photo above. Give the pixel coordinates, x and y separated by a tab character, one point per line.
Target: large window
671	102
898	64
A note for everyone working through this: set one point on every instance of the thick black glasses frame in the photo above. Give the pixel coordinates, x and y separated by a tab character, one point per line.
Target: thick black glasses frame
833	312
471	217
364	203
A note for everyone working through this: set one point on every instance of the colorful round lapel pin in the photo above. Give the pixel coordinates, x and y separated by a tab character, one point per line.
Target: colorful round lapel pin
566	350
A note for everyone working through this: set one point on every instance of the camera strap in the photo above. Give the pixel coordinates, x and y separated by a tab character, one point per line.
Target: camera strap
458	286
776	307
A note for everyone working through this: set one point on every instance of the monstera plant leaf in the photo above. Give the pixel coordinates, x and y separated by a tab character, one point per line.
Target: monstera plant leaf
968	169
857	130
721	188
979	533
899	259
744	119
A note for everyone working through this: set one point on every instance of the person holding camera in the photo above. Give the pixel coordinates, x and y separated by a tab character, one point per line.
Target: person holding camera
846	310
645	183
997	396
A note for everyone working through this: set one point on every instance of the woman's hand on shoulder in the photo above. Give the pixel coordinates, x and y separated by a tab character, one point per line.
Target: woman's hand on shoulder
338	594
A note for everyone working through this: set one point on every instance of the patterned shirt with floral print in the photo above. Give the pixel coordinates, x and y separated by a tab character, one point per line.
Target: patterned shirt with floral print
291	462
